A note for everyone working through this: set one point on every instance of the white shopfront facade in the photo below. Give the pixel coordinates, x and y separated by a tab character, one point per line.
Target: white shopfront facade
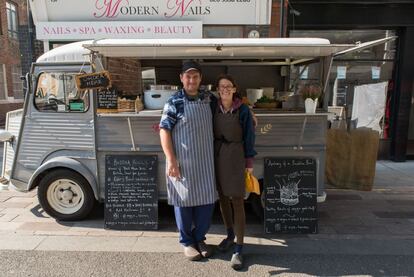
72	20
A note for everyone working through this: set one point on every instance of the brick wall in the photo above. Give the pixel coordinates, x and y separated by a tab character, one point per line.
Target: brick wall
6	107
9	47
274	30
126	75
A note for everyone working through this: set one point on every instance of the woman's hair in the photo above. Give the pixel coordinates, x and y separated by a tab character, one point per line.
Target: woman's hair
228	78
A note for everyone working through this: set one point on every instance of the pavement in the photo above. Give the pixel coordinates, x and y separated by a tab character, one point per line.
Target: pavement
352	224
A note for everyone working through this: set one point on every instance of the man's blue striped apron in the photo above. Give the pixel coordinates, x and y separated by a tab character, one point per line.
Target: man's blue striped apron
194	149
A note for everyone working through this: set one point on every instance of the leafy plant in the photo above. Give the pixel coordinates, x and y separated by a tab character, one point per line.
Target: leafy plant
265	99
312	91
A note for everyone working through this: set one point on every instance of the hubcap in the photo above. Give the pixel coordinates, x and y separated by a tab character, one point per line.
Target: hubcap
65	196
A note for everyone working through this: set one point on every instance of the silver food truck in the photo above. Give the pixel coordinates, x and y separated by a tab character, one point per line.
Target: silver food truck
58	141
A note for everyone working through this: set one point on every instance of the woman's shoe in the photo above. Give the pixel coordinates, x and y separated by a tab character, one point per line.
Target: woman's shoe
225	245
237	261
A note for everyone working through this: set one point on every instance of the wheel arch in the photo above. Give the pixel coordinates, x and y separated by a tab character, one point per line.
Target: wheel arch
63	163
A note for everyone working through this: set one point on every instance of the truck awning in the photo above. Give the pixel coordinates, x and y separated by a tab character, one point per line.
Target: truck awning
263	48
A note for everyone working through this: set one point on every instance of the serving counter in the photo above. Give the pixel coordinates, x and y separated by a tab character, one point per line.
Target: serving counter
279	134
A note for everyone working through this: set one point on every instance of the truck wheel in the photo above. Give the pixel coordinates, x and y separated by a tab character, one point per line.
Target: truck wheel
65	195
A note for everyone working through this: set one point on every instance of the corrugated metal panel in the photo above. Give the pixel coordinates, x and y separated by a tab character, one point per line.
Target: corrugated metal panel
286	131
45	133
14	119
113	133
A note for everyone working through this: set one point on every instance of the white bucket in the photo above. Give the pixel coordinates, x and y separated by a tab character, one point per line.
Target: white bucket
268	92
253	94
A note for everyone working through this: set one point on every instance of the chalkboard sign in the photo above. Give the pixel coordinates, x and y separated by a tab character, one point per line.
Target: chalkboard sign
93	80
131	196
290	192
107	99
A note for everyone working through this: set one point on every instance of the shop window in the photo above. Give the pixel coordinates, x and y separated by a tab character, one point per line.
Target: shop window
223	32
57	92
359	81
3	85
17	82
12	22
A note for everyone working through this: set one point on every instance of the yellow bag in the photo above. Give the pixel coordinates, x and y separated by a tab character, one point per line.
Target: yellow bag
252	185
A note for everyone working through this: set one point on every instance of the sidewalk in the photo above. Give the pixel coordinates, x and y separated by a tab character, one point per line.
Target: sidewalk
382	216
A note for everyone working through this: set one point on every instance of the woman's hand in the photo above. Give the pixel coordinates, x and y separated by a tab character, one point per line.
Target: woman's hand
250	170
173	169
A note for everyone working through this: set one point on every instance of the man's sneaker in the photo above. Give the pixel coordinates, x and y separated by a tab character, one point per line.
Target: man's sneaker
225	244
205	250
237	261
191	253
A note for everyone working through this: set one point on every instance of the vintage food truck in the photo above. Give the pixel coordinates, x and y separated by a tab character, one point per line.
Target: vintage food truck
59	140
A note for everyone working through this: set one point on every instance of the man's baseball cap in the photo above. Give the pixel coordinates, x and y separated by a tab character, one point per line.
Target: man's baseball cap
190	65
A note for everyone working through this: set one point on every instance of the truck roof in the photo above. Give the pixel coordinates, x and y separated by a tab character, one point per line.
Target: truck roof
289	50
71	52
224	48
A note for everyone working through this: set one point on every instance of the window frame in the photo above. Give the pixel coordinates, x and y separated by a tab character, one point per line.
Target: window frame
12	22
18	80
66	111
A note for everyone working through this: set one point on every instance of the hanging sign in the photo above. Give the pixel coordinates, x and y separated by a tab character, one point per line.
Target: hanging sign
93	80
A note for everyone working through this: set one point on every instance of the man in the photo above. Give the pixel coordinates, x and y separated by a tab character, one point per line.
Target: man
186	132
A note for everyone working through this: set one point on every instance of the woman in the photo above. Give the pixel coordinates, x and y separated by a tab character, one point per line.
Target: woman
233	146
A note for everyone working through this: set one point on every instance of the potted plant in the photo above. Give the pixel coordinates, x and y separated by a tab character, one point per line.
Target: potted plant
310	93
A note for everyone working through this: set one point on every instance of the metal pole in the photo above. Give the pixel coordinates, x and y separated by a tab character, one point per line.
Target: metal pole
30	31
282	18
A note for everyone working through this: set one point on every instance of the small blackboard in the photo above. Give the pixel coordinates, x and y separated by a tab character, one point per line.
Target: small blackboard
93	80
290	191
107	99
131	196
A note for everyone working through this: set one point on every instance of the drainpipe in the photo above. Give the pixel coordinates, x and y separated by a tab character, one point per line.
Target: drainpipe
282	18
30	31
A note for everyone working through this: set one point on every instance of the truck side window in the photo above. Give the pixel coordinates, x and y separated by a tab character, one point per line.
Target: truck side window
57	92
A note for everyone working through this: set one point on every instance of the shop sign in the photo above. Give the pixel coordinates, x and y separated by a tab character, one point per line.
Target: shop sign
126	29
242	12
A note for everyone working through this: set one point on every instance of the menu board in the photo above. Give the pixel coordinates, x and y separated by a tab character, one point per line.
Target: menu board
107	99
131	196
290	191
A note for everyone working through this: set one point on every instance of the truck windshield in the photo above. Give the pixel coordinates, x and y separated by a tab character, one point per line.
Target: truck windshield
57	92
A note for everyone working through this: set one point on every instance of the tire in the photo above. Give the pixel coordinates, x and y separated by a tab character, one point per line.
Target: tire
65	195
257	203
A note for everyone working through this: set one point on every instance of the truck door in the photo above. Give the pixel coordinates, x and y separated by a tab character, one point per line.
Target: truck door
58	122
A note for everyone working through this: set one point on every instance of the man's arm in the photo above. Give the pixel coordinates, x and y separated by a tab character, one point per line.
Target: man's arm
167	146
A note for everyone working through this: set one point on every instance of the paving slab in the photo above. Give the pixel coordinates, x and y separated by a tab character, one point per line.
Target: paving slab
32	218
362	229
15	210
15	199
155	244
73	243
20	242
114	233
7	217
44	226
59	233
10	226
3	198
